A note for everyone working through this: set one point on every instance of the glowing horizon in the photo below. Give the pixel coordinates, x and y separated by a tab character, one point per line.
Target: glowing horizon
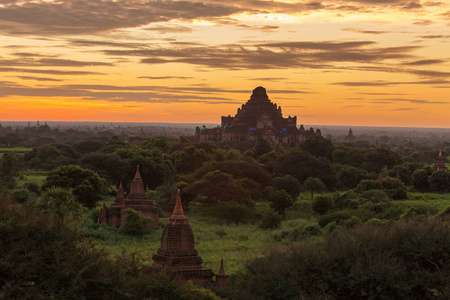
339	62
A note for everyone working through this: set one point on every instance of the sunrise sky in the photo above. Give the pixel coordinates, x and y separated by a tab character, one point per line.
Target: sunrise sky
337	62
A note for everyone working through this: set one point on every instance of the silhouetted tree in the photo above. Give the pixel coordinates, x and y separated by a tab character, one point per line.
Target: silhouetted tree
313	184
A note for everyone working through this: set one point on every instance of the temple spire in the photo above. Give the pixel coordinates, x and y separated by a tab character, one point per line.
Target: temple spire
221	269
178	212
137	175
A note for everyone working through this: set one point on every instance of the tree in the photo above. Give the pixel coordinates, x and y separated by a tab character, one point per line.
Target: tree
322	204
154	165
9	168
87	186
318	146
261	147
48	157
420	179
135	223
440	181
189	159
313	184
217	186
156	142
280	200
288	183
376	159
60	201
394	188
109	166
301	165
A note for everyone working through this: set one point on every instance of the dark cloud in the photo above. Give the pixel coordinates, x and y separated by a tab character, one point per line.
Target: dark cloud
381	83
423	22
165	77
365	31
38	78
86	16
415	101
280	55
265	79
436	36
404	109
424	62
50	62
163	29
50	72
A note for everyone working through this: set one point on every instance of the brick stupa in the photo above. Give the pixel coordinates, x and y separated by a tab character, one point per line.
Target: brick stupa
168	209
177	253
440	163
136	199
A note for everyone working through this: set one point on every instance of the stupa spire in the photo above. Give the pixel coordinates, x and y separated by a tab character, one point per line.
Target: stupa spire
138	174
221	269
178	212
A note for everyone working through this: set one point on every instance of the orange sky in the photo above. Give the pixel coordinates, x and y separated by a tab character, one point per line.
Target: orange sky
342	62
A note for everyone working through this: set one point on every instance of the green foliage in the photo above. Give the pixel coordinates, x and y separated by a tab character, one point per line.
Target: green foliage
288	183
48	157
394	188
402	260
85	147
311	230
318	146
366	185
313	184
322	204
335	216
155	167
439	181
9	168
189	159
135	224
21	195
375	196
280	201
219	187
301	165
233	212
272	220
261	147
109	166
348	176
42	258
87	186
376	159
60	201
156	142
348	156
221	233
419	179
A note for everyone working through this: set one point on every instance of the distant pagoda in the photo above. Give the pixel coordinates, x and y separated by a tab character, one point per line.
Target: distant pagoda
136	199
259	118
440	163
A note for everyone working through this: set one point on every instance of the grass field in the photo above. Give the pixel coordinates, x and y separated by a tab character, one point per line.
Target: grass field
32	176
235	243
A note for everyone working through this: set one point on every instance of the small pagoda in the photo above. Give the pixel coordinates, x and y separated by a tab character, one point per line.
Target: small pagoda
168	209
136	199
177	253
440	163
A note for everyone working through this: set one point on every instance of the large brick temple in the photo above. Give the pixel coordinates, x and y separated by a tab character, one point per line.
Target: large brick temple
259	118
178	254
136	199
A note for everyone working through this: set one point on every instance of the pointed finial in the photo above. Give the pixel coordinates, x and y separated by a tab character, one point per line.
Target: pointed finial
137	175
221	269
440	153
178	212
120	186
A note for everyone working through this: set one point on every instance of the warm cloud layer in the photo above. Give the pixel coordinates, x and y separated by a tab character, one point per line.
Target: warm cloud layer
355	62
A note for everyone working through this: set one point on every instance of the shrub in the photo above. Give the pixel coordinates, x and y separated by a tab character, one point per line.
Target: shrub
401	260
311	230
322	204
336	216
270	221
135	223
233	212
221	233
21	195
280	200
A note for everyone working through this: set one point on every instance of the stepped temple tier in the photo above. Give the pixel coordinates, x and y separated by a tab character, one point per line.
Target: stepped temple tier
259	118
136	199
440	163
177	253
